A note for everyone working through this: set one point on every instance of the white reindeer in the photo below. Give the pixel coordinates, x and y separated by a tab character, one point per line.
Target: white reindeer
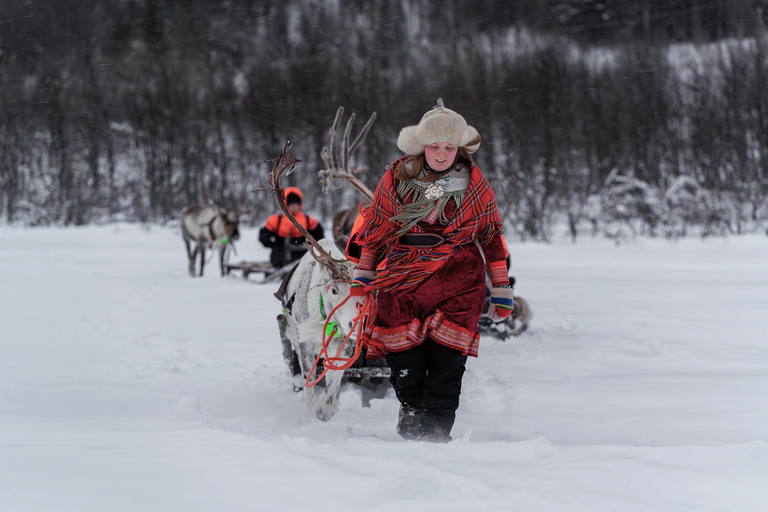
209	227
309	295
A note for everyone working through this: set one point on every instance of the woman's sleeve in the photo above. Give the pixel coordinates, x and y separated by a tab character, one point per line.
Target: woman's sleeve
369	260
492	242
495	253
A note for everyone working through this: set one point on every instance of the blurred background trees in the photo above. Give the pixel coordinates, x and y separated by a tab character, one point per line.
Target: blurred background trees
614	117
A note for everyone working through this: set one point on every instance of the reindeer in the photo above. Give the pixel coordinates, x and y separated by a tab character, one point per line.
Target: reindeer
343	222
310	292
211	227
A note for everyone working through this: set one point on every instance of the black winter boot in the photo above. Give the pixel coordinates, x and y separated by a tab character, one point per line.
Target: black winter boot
408	420
436	428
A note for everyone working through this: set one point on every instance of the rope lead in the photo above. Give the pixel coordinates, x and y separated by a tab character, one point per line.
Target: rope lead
337	362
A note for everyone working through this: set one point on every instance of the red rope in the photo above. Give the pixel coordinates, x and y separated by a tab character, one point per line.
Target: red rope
337	362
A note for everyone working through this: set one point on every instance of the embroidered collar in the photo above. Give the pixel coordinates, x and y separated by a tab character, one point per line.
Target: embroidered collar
428	198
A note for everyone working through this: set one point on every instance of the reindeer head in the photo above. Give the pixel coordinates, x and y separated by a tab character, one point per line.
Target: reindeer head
231	225
231	219
334	288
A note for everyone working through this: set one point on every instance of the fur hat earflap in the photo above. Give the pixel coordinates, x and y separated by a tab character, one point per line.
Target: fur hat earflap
439	124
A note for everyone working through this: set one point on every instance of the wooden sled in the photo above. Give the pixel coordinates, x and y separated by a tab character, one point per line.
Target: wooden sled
249	267
271	274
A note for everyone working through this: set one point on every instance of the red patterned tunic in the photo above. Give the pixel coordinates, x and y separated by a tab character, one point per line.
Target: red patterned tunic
431	291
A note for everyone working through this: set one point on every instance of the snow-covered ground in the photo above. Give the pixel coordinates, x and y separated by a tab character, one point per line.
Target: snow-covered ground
126	385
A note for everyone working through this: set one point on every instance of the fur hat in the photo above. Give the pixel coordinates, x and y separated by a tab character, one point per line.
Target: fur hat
439	124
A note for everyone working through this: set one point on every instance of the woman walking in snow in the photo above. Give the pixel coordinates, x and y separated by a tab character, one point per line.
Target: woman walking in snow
429	210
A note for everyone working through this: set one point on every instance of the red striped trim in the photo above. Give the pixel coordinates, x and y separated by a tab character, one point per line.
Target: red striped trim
446	332
367	260
498	272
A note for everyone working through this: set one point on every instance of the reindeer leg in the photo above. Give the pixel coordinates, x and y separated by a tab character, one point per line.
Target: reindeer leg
201	250
287	347
289	355
307	360
190	258
222	257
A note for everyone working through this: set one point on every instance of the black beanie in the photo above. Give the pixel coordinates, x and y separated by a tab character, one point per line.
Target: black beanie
292	199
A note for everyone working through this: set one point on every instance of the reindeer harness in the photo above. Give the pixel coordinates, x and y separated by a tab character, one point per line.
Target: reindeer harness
280	294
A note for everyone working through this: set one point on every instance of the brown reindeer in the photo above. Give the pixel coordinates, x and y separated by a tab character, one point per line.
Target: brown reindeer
343	222
209	227
337	161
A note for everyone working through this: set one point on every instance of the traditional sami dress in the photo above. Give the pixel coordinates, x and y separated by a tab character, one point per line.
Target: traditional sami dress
430	291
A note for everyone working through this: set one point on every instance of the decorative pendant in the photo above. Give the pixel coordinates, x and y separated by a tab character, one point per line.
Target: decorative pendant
433	191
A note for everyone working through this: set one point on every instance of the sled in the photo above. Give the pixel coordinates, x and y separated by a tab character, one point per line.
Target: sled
248	267
501	330
371	376
271	274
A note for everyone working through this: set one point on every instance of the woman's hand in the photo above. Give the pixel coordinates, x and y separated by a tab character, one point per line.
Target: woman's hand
362	279
502	303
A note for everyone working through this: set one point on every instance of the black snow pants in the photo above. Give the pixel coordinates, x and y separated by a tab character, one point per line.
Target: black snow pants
427	382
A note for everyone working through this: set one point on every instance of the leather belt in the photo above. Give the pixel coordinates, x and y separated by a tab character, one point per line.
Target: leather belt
421	239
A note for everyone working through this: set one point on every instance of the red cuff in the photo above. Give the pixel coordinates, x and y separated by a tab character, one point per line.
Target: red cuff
368	260
498	272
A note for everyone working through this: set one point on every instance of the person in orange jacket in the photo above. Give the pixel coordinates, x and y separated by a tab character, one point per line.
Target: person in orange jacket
280	235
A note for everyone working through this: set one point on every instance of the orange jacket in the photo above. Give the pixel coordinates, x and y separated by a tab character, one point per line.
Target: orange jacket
282	227
353	249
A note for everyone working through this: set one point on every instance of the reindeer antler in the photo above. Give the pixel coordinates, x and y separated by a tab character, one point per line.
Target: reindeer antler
338	165
241	204
285	160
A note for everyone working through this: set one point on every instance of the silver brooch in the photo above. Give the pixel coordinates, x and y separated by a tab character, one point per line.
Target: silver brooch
434	191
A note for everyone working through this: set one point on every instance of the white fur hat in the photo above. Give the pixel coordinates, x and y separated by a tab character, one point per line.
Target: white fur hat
439	124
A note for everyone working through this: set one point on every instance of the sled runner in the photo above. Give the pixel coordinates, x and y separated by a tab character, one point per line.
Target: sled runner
271	274
372	377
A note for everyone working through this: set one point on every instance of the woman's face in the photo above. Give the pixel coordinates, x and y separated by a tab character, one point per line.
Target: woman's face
440	155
